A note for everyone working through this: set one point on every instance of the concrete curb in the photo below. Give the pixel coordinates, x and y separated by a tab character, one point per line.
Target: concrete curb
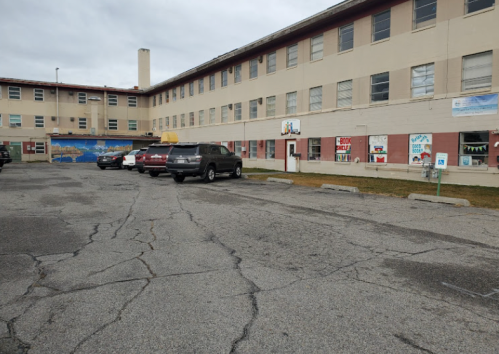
341	188
435	199
280	180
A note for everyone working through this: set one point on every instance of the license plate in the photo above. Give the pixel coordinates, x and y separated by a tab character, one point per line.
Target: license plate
180	161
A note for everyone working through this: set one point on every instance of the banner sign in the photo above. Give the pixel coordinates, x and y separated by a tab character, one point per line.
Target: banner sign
474	106
290	126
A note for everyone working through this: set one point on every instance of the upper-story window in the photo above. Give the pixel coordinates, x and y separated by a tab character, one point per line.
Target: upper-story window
223	75
345	40
15	120
315	99
201	85
201	117
14	93
253	65
381	26
291	103
182	91
132	125
160	124
174	94
82	98
238	112
154	101
182	120
477	5
225	114
423	78
167	96
344	94
271	106
113	124
292	55
237	73
160	98
191	119
477	71
112	100
132	101
82	123
425	13
253	109
191	89
316	47
271	62
212	82
39	93
0	92
39	122
380	87
212	115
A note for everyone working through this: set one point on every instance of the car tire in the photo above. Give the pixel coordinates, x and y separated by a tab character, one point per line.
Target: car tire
141	170
237	171
120	166
153	173
102	167
129	168
178	178
209	175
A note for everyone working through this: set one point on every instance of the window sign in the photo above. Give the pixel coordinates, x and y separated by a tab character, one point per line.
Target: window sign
378	148
419	148
343	148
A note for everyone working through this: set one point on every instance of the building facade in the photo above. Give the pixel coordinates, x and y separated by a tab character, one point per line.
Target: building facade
366	88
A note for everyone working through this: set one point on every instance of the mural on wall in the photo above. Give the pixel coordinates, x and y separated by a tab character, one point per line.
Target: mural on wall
70	150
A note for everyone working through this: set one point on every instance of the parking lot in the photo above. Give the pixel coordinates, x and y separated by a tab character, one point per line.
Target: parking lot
113	261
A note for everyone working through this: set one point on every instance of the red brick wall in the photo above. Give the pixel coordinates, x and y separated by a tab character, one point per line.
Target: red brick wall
328	149
302	147
280	149
445	142
398	148
359	148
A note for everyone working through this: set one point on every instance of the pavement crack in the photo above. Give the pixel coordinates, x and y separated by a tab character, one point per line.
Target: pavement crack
411	343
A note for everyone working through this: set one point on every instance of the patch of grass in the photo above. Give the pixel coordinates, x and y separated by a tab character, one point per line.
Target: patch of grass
483	197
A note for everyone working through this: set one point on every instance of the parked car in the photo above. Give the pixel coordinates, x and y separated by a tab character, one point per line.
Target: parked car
129	160
4	156
139	160
155	159
204	160
111	159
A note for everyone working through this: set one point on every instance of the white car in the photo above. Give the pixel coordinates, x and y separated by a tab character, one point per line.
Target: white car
129	160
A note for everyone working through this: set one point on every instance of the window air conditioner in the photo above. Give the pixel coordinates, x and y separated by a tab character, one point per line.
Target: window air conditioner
56	131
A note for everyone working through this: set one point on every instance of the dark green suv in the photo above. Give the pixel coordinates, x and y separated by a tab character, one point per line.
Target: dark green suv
204	160
4	156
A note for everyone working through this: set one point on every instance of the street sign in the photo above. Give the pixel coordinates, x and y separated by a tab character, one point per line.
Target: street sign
441	160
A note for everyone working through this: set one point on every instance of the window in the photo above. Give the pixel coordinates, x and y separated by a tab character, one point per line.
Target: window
182	92
238	112
0	117
252	149
477	5
270	149
167	122
423	78
271	62
344	94
474	149
253	109
174	94
314	149
316	47
0	92
378	148
237	73
15	120
271	106
292	55
154	101
14	93
191	89
38	93
346	37
154	124
82	98
132	124
113	100
174	122
225	114
477	71
212	82
191	119
201	117
224	78
39	148
381	26
160	99
291	103
182	120
113	124
425	13
253	65
237	148
212	115
82	123
419	148
167	96
39	122
132	101
160	122
315	99
380	86
201	86
343	149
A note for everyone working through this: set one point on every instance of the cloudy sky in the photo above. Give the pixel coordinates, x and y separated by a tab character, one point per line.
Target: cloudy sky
95	42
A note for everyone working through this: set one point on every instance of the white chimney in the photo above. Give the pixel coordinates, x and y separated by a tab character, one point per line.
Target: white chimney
144	68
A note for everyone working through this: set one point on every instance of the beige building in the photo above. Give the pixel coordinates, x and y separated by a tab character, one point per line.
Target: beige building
366	87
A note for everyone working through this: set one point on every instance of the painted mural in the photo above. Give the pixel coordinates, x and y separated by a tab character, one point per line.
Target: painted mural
71	150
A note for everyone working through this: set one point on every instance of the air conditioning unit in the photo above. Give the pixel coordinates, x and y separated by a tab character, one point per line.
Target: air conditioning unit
70	93
72	119
243	148
230	69
13	125
56	131
53	118
149	134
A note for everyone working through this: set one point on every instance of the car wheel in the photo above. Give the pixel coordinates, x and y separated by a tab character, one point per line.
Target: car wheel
178	178
141	170
209	175
237	171
153	173
102	167
129	168
120	166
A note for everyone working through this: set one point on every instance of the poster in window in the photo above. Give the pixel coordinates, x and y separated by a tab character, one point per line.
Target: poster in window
378	148
343	148
419	148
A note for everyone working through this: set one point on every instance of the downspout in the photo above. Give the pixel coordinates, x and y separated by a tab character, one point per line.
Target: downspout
105	111
57	94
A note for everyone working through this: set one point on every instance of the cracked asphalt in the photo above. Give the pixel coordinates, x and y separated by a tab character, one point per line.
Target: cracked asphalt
118	262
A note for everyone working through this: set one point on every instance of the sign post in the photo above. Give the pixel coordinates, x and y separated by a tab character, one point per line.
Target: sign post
440	164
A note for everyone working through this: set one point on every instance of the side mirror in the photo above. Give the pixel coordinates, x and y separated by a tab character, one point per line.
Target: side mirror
231	153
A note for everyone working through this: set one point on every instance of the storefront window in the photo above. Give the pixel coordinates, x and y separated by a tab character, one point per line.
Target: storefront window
378	148
419	148
474	149
343	148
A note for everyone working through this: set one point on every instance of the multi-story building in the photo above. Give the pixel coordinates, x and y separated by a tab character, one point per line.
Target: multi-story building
366	87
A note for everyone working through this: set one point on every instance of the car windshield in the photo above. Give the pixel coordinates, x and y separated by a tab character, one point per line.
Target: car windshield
158	150
184	150
3	148
134	152
113	153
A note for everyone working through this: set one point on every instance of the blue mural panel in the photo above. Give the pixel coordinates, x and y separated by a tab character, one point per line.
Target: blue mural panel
87	150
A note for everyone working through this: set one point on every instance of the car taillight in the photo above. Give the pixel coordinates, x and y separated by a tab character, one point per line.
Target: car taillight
114	158
124	158
197	158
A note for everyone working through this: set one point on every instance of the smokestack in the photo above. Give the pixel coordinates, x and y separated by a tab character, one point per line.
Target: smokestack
144	68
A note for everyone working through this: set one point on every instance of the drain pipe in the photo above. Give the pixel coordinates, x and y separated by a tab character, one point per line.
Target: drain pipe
57	94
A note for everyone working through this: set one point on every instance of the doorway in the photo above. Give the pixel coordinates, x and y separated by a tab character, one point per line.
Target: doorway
15	151
290	159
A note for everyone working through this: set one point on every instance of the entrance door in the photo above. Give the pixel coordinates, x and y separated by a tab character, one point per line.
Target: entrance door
15	151
290	160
